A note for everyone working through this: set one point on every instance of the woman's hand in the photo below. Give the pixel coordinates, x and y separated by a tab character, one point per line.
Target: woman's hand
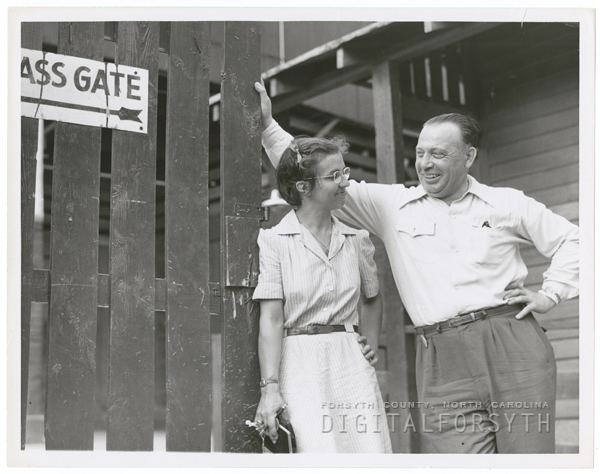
269	405
367	351
265	104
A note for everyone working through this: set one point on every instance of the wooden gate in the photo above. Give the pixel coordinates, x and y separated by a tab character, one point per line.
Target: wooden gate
74	288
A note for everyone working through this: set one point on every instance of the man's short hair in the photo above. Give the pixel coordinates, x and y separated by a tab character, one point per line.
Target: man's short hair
469	127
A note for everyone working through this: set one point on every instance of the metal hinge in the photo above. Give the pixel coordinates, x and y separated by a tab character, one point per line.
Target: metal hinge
244	209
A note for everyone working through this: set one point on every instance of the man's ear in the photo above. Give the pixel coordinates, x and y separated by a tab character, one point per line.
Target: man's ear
471	155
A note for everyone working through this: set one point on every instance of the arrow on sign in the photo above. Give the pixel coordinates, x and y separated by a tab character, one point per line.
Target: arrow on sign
123	113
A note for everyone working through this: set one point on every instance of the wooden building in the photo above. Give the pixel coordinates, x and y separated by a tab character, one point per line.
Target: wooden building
374	83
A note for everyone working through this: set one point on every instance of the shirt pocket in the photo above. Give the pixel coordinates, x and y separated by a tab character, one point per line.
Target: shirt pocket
489	239
420	239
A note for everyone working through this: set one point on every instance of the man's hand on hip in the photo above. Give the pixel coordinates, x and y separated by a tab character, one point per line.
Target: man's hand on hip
533	300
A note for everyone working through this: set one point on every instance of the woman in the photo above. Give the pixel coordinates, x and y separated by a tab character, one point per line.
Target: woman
312	271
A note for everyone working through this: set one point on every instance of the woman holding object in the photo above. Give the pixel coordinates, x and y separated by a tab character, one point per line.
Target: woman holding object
316	370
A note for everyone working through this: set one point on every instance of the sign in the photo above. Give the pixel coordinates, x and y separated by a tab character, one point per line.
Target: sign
83	91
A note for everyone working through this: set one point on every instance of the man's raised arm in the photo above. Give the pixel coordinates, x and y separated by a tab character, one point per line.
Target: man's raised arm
274	138
366	202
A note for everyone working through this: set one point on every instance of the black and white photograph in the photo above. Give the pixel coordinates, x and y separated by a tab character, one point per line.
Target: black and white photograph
350	237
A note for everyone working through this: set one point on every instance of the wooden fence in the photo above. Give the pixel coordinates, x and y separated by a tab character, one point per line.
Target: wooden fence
72	285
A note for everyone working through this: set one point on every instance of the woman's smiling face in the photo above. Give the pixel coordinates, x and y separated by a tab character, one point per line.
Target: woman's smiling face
325	192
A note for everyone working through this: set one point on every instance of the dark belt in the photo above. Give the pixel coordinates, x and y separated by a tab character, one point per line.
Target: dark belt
317	329
468	318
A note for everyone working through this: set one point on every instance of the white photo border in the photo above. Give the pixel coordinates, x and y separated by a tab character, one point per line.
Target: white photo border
586	19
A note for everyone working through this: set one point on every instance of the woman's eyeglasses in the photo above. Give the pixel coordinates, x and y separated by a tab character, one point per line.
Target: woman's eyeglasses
336	177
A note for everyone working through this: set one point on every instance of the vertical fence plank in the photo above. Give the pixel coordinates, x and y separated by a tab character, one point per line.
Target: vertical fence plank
31	38
404	78
69	422
435	67
240	206
187	247
451	62
420	80
389	149
132	222
467	72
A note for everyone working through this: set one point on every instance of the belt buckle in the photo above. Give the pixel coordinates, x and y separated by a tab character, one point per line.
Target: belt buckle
312	329
462	319
455	322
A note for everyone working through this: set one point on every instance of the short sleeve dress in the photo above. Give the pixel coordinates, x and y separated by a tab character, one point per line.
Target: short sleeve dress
333	398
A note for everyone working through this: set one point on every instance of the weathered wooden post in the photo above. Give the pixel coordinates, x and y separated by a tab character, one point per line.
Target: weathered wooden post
387	105
31	38
69	422
240	220
389	148
187	247
132	227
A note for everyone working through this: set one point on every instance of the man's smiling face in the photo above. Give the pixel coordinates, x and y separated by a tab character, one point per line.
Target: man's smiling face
443	161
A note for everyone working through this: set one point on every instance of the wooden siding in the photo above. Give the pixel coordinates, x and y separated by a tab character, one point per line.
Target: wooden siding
531	137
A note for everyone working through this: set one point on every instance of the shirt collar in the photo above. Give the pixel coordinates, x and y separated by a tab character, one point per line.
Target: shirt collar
343	228
411	194
290	225
475	188
482	191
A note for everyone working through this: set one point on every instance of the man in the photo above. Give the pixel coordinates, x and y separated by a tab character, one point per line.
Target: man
485	370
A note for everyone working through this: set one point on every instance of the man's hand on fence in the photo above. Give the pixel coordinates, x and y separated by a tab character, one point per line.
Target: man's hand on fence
265	104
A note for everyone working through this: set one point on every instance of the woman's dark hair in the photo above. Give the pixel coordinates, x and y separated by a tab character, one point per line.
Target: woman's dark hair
299	160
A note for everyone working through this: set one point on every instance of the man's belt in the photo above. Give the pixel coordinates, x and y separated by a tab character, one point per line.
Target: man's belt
319	329
467	318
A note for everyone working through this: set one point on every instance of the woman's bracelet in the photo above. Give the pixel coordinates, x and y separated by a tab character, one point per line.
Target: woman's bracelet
264	382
